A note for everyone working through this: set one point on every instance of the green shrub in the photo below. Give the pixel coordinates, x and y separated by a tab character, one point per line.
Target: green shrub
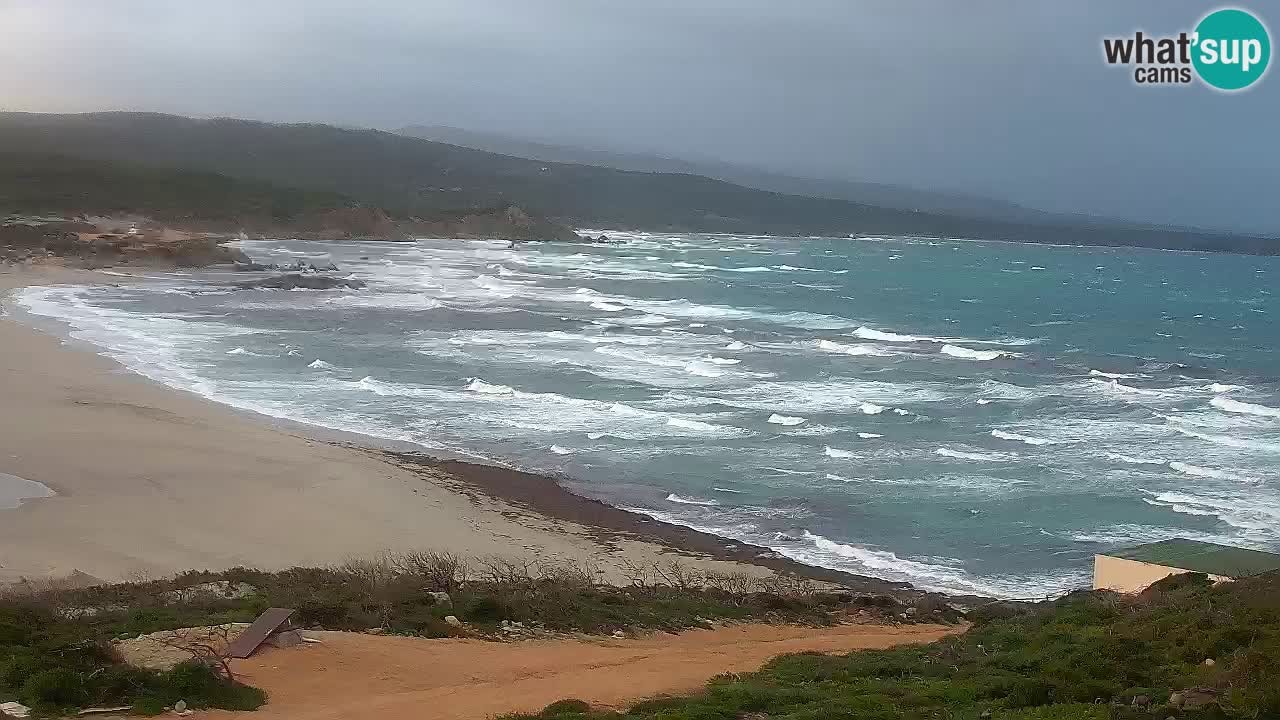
55	688
561	708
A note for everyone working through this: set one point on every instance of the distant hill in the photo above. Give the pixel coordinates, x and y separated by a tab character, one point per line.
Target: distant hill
867	193
58	185
49	183
417	177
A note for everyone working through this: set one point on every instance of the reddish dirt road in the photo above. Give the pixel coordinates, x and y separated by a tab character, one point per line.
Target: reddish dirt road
351	676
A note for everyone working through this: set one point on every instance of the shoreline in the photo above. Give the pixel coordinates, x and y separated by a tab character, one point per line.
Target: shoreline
544	495
502	496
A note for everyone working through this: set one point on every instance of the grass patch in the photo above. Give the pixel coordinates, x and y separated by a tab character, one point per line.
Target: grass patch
1089	656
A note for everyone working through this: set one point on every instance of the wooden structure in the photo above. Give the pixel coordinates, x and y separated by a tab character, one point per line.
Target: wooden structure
272	622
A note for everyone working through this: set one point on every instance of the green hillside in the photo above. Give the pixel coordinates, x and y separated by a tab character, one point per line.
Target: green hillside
39	183
408	175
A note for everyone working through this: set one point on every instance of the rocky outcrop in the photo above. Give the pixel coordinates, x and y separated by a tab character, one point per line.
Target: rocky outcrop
298	281
37	242
298	267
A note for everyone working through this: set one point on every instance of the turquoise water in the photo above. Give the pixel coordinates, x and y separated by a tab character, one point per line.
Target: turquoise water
967	416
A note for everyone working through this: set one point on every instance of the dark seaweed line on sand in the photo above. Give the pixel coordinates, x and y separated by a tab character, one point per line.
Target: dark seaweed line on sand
543	495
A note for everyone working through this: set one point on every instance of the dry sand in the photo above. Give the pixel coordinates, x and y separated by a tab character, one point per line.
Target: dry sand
396	678
151	481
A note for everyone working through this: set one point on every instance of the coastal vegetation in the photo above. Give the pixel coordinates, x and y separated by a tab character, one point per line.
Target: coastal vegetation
1185	648
56	651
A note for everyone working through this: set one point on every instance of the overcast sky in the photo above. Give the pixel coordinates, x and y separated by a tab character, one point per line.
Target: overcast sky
1009	99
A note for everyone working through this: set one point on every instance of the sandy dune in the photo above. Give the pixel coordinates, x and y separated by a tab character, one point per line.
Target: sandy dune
394	678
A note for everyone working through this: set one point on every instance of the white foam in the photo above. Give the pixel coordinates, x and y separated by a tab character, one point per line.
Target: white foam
1235	406
689	501
969	354
596	435
1132	534
1229	441
1005	435
1134	460
480	386
962	455
703	427
561	450
869	436
860	350
721	361
703	369
250	353
1257	517
1198	471
788	420
736	345
1113	376
318	364
929	575
868	408
836	453
1222	388
867	333
1118	387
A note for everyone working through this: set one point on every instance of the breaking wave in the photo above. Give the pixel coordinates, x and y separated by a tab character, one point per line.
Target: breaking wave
689	501
968	354
962	455
1235	406
861	350
1016	437
1196	470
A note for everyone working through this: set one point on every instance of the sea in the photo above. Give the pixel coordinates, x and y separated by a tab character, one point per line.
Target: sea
967	416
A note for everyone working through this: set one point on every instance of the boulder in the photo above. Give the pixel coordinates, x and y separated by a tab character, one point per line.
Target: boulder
441	598
298	281
452	620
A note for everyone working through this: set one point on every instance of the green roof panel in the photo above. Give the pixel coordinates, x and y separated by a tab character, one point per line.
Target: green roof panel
1204	557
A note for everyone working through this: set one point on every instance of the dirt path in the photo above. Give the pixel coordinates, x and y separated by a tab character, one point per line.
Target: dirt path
393	678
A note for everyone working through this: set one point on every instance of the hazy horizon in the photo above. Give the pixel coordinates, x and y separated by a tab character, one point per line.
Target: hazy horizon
1013	102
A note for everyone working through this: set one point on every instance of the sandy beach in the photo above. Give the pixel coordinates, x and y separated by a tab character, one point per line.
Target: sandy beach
150	481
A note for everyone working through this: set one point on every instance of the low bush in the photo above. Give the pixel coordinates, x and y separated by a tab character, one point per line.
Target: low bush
1088	656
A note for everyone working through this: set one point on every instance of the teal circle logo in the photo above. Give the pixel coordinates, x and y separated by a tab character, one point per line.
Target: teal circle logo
1232	49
